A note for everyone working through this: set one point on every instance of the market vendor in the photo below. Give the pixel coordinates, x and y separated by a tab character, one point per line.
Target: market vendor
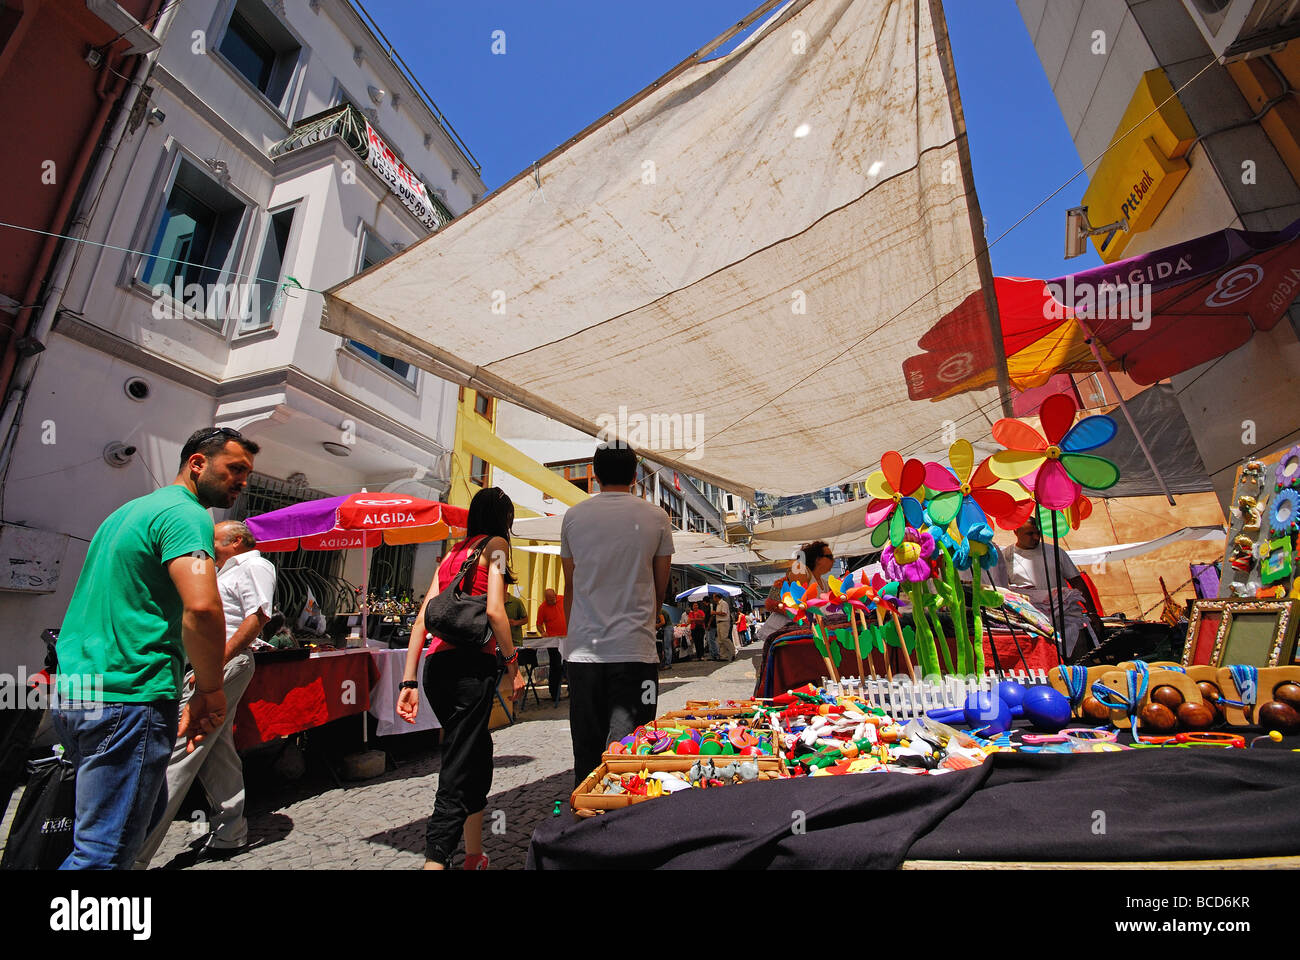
551	623
1027	569
813	563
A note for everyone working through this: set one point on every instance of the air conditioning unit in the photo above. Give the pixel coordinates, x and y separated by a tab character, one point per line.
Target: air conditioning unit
1238	29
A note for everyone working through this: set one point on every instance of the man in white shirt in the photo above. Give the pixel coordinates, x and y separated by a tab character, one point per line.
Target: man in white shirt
722	619
1023	570
616	549
246	583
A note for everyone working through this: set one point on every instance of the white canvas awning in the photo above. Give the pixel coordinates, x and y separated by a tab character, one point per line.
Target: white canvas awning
702	548
1089	556
732	267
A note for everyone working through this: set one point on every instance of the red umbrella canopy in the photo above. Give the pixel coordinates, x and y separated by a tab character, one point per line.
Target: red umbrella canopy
357	520
1154	315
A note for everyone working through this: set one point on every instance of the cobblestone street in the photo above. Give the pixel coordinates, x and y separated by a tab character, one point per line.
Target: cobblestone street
311	823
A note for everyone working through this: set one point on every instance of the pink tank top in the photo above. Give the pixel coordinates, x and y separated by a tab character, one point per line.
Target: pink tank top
447	571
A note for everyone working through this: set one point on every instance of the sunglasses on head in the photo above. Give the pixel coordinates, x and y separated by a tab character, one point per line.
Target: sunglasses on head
220	432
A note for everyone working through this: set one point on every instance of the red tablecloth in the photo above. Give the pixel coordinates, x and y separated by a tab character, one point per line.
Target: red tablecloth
295	695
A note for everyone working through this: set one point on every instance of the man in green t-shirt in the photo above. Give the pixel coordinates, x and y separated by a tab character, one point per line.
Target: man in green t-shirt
517	614
146	598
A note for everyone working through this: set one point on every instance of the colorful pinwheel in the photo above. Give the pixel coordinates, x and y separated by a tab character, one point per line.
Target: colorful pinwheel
970	498
911	561
1056	454
894	505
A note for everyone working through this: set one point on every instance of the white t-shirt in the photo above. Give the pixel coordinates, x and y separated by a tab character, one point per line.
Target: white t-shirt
612	539
1022	570
246	583
722	612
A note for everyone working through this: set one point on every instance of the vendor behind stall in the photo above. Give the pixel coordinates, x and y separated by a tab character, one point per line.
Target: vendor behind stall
1027	568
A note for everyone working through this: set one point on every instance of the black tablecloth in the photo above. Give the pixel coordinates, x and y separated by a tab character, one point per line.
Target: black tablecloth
1167	804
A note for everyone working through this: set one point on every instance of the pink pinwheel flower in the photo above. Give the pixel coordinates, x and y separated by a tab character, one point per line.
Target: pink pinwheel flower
1060	469
965	493
910	562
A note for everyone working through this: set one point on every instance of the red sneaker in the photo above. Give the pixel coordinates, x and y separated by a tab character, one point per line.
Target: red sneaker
475	861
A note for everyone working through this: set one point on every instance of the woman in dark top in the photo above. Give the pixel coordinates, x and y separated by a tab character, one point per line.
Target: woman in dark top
461	685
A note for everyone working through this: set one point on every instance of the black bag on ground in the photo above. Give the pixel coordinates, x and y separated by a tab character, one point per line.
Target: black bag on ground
456	617
41	835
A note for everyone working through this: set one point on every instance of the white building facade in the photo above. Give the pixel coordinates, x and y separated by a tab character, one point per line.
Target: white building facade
255	176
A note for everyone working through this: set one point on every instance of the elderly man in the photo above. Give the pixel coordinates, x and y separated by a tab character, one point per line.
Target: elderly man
246	583
551	622
1023	570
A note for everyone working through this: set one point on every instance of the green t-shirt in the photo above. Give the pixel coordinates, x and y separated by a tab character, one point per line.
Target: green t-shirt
515	610
124	620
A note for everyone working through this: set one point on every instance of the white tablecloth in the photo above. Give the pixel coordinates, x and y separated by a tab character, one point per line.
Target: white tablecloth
383	695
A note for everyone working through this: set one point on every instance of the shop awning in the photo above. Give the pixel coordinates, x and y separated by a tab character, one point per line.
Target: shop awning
688	548
808	192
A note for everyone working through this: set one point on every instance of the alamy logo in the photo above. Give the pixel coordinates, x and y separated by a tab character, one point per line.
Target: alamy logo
75	913
656	431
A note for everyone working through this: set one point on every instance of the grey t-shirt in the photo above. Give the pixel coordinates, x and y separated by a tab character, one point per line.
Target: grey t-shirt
612	539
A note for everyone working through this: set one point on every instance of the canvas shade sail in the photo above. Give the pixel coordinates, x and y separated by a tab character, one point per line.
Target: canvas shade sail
356	521
688	547
751	246
1206	297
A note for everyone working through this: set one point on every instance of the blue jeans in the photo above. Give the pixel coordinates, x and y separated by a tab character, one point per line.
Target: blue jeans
120	751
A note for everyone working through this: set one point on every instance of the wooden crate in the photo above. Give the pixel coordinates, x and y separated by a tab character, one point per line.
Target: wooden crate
584	803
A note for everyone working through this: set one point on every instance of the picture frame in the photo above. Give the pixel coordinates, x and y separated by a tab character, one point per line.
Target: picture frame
1203	632
1260	633
1275	560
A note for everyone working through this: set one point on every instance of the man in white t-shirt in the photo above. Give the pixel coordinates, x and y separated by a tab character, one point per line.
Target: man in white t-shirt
1023	570
616	549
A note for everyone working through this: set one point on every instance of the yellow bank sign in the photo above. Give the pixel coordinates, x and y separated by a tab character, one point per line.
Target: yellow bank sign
1144	166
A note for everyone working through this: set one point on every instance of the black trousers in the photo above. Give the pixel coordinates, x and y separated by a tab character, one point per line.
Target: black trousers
555	674
461	686
697	637
607	701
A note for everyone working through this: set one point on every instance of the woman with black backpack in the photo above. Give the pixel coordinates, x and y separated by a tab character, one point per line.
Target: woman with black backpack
460	681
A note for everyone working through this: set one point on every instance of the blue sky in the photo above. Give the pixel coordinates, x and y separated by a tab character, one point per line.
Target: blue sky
569	61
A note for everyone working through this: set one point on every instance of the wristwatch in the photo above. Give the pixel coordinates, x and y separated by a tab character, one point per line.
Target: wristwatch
410	684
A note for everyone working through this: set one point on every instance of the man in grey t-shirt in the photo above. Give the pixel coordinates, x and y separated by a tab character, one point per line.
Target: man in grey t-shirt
616	550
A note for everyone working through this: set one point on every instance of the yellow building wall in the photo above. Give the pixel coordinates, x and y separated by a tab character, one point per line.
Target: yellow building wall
476	436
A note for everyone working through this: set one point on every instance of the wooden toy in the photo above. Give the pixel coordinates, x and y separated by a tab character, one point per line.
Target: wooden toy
1075	684
1247	688
1123	684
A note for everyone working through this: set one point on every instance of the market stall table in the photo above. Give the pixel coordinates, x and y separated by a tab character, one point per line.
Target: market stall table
391	666
290	696
1161	805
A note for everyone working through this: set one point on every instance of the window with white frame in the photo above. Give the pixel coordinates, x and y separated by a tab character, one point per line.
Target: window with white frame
196	246
269	270
373	250
261	49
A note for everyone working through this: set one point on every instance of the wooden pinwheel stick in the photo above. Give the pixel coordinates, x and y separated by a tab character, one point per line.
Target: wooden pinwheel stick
824	648
902	643
857	643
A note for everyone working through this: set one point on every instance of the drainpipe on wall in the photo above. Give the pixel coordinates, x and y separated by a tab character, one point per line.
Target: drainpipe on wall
24	369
